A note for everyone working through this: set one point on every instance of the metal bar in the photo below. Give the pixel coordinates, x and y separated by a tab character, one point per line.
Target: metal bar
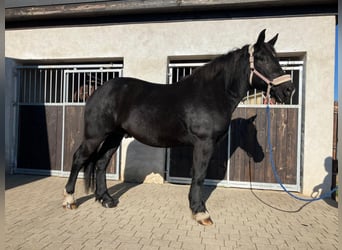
228	152
35	87
65	99
292	80
55	85
299	131
283	63
95	83
168	163
292	67
114	65
90	84
170	76
73	86
71	66
291	62
22	87
40	85
50	98
30	87
179	65
45	84
241	105
177	74
84	86
40	104
61	86
17	92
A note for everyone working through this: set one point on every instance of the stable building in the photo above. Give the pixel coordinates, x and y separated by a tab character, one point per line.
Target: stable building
58	54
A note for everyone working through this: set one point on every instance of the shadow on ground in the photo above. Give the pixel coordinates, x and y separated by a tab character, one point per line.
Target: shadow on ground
15	180
115	191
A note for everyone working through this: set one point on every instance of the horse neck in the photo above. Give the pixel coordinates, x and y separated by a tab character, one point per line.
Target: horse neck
236	79
228	73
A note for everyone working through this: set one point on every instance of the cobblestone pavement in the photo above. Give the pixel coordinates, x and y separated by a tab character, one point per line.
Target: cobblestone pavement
154	216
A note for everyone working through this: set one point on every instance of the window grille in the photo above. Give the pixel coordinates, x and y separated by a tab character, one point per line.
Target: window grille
49	84
178	70
82	83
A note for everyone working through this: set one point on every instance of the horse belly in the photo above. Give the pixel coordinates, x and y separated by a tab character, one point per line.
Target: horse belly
158	130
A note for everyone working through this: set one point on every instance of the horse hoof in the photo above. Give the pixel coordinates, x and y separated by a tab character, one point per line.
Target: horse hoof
203	218
206	222
69	201
70	206
108	204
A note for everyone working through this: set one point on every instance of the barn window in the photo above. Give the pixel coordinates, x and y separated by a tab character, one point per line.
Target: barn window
54	84
178	69
51	103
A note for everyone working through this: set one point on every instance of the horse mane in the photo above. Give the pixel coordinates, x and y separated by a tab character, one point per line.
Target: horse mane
226	64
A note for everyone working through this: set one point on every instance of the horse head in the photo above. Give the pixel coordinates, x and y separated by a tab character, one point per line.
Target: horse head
266	73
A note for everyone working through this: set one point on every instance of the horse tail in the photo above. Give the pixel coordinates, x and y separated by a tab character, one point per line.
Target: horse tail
89	176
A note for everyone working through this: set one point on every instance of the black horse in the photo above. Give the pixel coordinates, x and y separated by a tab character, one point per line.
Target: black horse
200	114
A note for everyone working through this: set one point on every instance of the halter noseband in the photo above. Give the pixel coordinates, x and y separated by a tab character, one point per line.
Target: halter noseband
270	83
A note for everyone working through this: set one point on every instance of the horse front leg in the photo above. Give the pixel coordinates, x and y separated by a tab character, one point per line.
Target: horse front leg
201	156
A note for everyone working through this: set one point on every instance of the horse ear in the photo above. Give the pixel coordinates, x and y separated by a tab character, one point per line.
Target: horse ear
252	119
273	40
261	37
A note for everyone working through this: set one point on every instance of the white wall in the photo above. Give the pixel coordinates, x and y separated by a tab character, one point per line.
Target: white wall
145	48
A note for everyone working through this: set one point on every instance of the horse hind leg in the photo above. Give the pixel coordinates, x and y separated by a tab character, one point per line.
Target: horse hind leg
81	157
105	154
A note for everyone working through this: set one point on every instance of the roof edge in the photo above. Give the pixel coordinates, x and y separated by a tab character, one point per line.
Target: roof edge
107	8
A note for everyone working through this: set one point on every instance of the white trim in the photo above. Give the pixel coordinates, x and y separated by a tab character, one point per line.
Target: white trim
188	65
261	185
57	173
65	84
299	131
72	66
288	106
92	70
287	62
237	184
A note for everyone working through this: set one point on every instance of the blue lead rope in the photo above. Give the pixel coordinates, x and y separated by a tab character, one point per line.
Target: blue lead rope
275	173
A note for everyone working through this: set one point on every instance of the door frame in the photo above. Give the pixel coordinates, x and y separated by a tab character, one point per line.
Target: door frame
65	71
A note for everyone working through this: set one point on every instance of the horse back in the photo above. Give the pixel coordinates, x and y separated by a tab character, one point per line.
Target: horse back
149	111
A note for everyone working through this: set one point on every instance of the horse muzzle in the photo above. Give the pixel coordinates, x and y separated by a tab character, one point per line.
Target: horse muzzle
283	92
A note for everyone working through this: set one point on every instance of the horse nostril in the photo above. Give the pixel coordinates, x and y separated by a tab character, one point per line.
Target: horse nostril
289	90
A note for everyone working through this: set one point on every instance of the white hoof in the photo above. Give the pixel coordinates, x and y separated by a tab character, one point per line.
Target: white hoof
69	201
203	218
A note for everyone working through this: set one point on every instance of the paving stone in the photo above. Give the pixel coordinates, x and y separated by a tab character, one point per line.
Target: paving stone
157	217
